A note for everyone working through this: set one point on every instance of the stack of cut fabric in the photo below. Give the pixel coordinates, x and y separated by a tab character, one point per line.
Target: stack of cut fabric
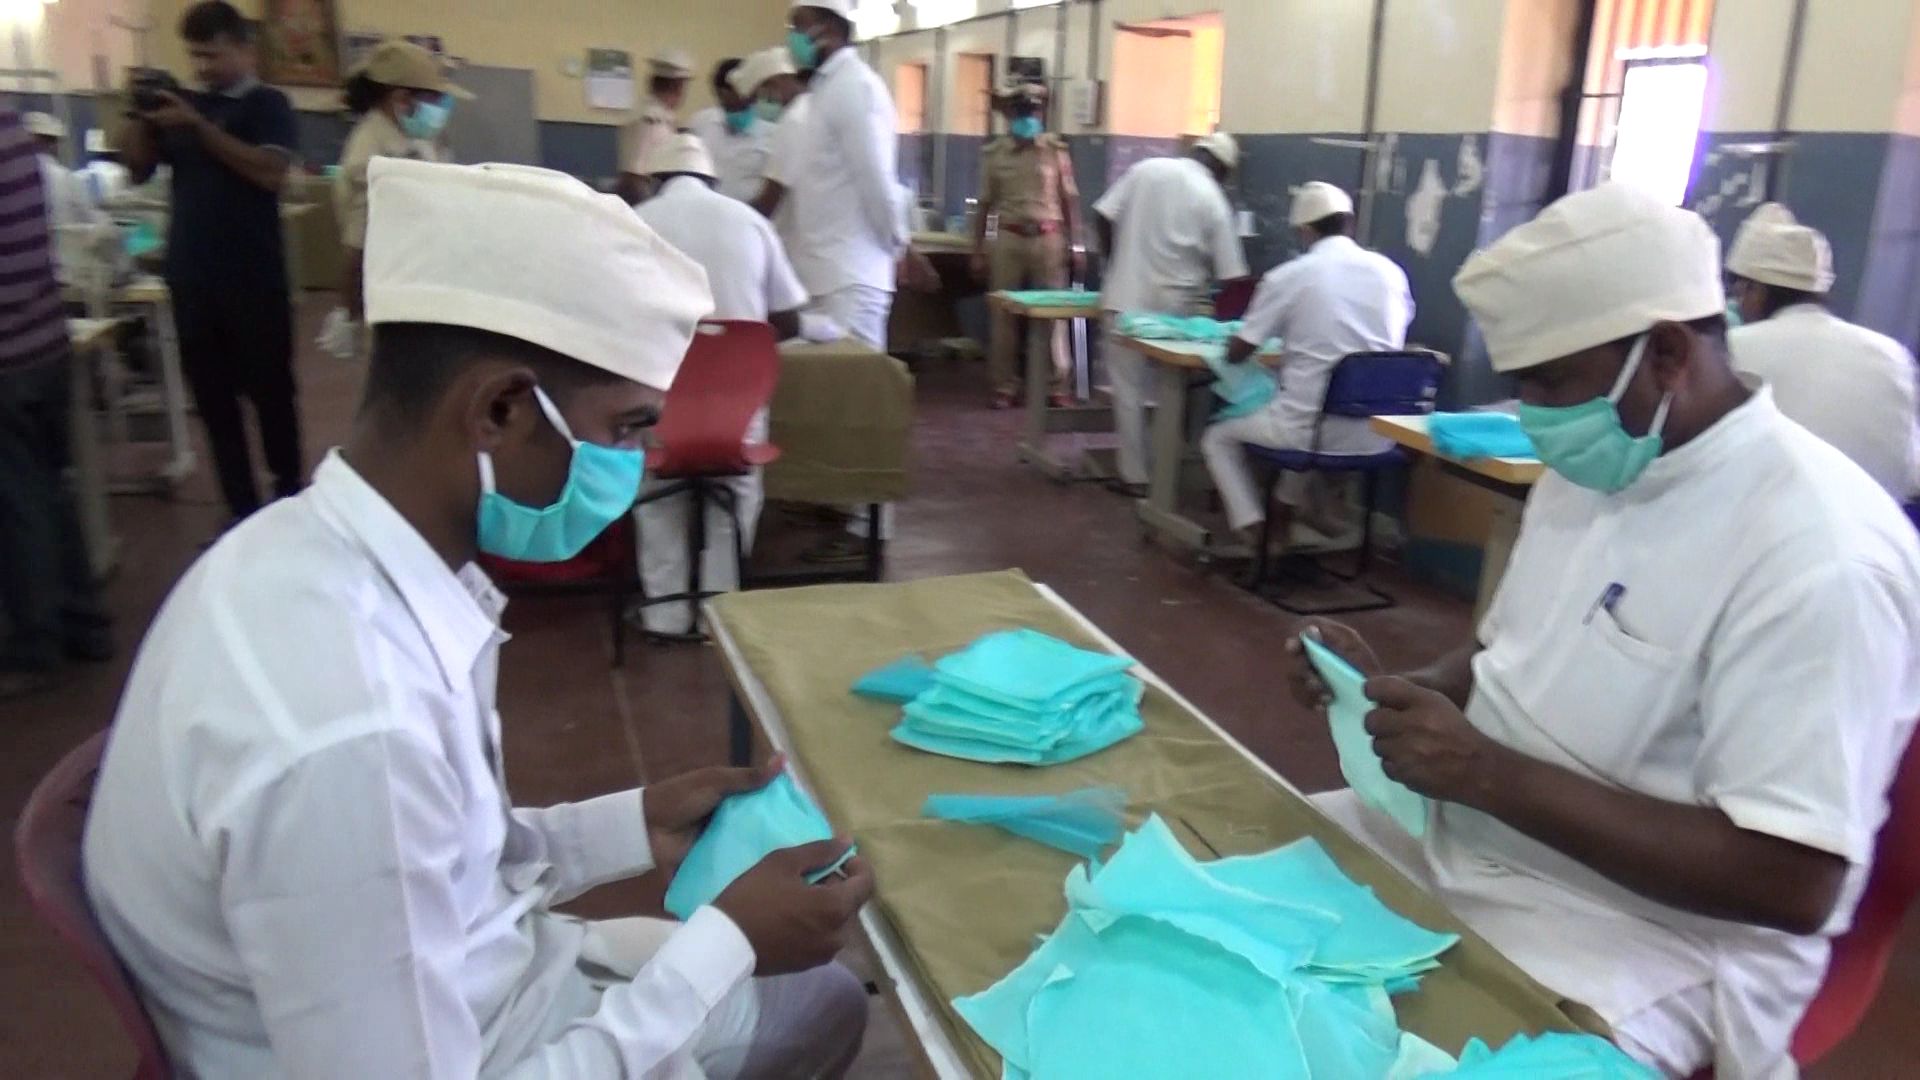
1023	697
1152	326
1272	965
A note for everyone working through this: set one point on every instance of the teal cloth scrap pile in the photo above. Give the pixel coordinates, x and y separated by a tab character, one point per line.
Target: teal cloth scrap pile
1015	696
1271	965
746	828
1469	435
1359	763
1152	326
1055	297
1083	822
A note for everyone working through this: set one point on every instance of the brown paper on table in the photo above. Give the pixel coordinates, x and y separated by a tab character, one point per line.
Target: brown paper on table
968	902
842	416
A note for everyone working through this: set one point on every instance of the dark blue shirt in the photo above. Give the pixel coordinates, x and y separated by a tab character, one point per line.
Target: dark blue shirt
225	229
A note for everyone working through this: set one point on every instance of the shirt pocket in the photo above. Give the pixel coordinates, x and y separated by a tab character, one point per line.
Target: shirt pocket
1608	698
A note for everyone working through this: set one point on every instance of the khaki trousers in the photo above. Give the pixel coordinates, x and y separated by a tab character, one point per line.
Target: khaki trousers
1025	262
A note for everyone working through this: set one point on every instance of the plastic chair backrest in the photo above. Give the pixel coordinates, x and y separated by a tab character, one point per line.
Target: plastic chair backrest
1860	955
1383	384
608	558
46	844
728	376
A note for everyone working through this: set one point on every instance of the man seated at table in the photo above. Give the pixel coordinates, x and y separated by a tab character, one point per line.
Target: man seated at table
300	844
1850	386
1336	299
747	270
1167	230
1657	776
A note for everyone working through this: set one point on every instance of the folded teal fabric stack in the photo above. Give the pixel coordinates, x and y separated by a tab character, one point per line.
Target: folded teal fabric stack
1022	697
1153	326
1471	435
1055	297
1082	822
1273	965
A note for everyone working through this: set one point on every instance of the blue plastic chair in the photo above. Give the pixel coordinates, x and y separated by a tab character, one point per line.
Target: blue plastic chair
1362	385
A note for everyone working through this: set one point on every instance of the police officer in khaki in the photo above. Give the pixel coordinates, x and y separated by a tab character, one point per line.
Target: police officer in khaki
1026	178
667	74
403	98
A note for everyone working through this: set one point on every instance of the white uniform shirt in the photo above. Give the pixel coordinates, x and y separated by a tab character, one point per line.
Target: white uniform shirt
300	844
1761	660
747	269
1850	386
69	202
1175	235
785	148
739	158
1336	299
849	215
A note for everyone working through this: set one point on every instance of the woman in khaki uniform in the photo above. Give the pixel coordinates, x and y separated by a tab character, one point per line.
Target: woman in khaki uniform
404	99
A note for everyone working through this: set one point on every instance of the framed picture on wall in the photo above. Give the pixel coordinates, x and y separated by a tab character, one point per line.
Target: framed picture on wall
300	43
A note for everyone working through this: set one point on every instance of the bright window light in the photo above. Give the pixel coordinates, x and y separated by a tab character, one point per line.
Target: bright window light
931	13
874	18
1659	127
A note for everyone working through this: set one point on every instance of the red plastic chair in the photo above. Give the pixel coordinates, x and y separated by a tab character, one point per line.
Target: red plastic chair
1859	959
46	845
728	376
606	567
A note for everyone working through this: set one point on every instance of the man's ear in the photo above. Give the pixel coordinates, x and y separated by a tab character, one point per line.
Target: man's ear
1671	350
499	406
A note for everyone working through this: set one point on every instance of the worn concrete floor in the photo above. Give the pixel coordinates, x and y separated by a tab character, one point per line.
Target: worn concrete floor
576	727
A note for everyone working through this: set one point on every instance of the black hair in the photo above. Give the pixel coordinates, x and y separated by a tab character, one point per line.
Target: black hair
363	95
1340	224
211	19
414	363
1779	296
660	84
839	22
720	72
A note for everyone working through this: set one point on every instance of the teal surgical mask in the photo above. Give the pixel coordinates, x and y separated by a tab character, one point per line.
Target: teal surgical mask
427	119
804	50
1587	444
768	110
1734	318
739	121
1026	127
602	483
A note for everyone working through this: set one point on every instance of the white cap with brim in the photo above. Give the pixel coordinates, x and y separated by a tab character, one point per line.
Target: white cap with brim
671	64
1773	248
842	8
45	125
685	152
1223	148
394	62
757	69
1596	266
1317	199
530	254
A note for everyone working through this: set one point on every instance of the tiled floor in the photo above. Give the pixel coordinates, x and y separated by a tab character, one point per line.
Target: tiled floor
575	727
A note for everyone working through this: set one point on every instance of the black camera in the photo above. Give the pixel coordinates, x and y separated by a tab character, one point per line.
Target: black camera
144	85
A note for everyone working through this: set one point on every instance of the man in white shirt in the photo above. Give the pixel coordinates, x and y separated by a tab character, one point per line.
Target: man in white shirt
781	99
69	201
300	843
1336	299
1167	230
735	135
668	72
1658	775
1845	383
748	272
849	209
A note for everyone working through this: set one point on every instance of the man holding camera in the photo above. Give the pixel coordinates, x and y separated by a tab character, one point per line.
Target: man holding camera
229	147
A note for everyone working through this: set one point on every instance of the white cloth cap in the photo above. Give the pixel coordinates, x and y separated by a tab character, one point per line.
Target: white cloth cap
671	64
1596	266
45	125
758	68
1317	199
1773	248
842	8
1223	148
532	254
683	152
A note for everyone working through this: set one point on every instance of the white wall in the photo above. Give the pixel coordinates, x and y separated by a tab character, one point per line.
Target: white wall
1855	71
1440	63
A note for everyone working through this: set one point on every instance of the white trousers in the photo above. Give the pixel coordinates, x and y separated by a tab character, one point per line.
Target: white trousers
662	537
1129	376
797	1026
1673	1034
1235	477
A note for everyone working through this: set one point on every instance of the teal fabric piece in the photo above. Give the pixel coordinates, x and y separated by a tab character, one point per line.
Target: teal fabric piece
1246	387
1083	822
745	829
1025	667
1347	716
1156	327
1056	297
901	681
1417	1058
1553	1056
1107	730
945	711
1470	435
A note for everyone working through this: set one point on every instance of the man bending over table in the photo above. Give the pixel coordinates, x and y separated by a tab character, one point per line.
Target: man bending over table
301	844
1657	777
